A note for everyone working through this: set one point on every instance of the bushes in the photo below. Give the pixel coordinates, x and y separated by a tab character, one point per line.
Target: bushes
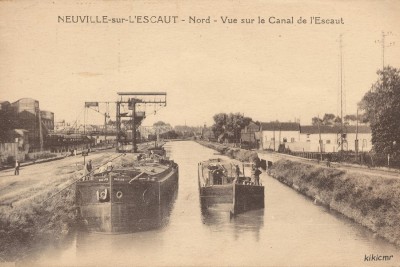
32	220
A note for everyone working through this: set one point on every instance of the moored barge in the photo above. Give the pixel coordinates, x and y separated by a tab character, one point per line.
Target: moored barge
128	199
222	182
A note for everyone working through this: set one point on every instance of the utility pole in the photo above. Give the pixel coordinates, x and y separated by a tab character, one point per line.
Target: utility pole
382	42
320	140
383	45
90	105
106	115
341	94
40	131
274	137
133	105
356	142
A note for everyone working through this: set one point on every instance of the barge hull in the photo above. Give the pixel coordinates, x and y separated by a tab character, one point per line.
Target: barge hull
138	206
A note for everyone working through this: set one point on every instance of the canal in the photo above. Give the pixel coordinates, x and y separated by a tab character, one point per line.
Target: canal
291	230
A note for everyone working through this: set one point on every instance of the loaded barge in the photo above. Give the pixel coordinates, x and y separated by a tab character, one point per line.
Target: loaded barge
134	197
128	199
222	182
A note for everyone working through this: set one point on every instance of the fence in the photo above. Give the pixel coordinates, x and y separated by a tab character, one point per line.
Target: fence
362	158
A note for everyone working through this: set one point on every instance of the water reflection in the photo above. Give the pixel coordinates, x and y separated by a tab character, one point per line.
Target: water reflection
219	218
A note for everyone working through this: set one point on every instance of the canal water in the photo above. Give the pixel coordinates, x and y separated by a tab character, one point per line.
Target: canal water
291	230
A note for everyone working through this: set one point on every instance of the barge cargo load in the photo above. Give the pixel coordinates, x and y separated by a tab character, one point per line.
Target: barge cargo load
222	182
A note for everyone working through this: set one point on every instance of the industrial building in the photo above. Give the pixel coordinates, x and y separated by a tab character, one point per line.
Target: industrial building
25	114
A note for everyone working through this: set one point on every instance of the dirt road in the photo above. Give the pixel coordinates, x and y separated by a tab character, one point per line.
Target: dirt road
33	179
384	172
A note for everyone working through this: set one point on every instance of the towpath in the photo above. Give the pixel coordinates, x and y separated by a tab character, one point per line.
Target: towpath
382	172
38	177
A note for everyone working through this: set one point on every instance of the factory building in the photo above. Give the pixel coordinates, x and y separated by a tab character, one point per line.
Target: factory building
25	114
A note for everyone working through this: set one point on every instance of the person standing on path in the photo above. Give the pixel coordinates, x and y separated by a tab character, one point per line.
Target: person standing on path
237	174
89	168
255	175
16	171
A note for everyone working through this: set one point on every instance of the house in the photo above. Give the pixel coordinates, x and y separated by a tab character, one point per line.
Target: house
331	138
208	135
306	138
15	146
274	134
249	136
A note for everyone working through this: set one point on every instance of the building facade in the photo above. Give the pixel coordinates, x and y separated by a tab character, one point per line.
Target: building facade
274	134
306	138
25	114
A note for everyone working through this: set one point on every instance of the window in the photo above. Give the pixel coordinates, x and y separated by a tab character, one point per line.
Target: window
272	139
308	135
328	141
292	140
284	139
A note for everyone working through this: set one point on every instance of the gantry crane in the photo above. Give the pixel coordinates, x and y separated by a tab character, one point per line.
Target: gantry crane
131	99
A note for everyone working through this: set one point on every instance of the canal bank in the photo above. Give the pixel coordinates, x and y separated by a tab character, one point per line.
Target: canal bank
371	200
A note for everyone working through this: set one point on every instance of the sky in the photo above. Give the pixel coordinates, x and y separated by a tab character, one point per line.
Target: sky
265	71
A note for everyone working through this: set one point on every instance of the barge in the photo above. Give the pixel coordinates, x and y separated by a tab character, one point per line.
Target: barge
136	196
222	182
128	199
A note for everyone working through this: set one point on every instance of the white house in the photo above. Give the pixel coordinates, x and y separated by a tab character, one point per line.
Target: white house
274	134
331	138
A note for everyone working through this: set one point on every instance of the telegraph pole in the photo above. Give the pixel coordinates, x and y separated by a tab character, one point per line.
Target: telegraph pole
383	45
320	139
40	131
356	142
341	94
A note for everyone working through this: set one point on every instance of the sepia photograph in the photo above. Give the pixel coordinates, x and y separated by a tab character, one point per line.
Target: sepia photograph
199	133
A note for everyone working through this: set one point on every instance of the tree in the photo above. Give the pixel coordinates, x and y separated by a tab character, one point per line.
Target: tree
328	119
169	135
382	107
337	120
350	117
159	123
316	121
230	125
218	127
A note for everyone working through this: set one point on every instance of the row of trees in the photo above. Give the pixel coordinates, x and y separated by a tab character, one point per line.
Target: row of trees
177	132
330	119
